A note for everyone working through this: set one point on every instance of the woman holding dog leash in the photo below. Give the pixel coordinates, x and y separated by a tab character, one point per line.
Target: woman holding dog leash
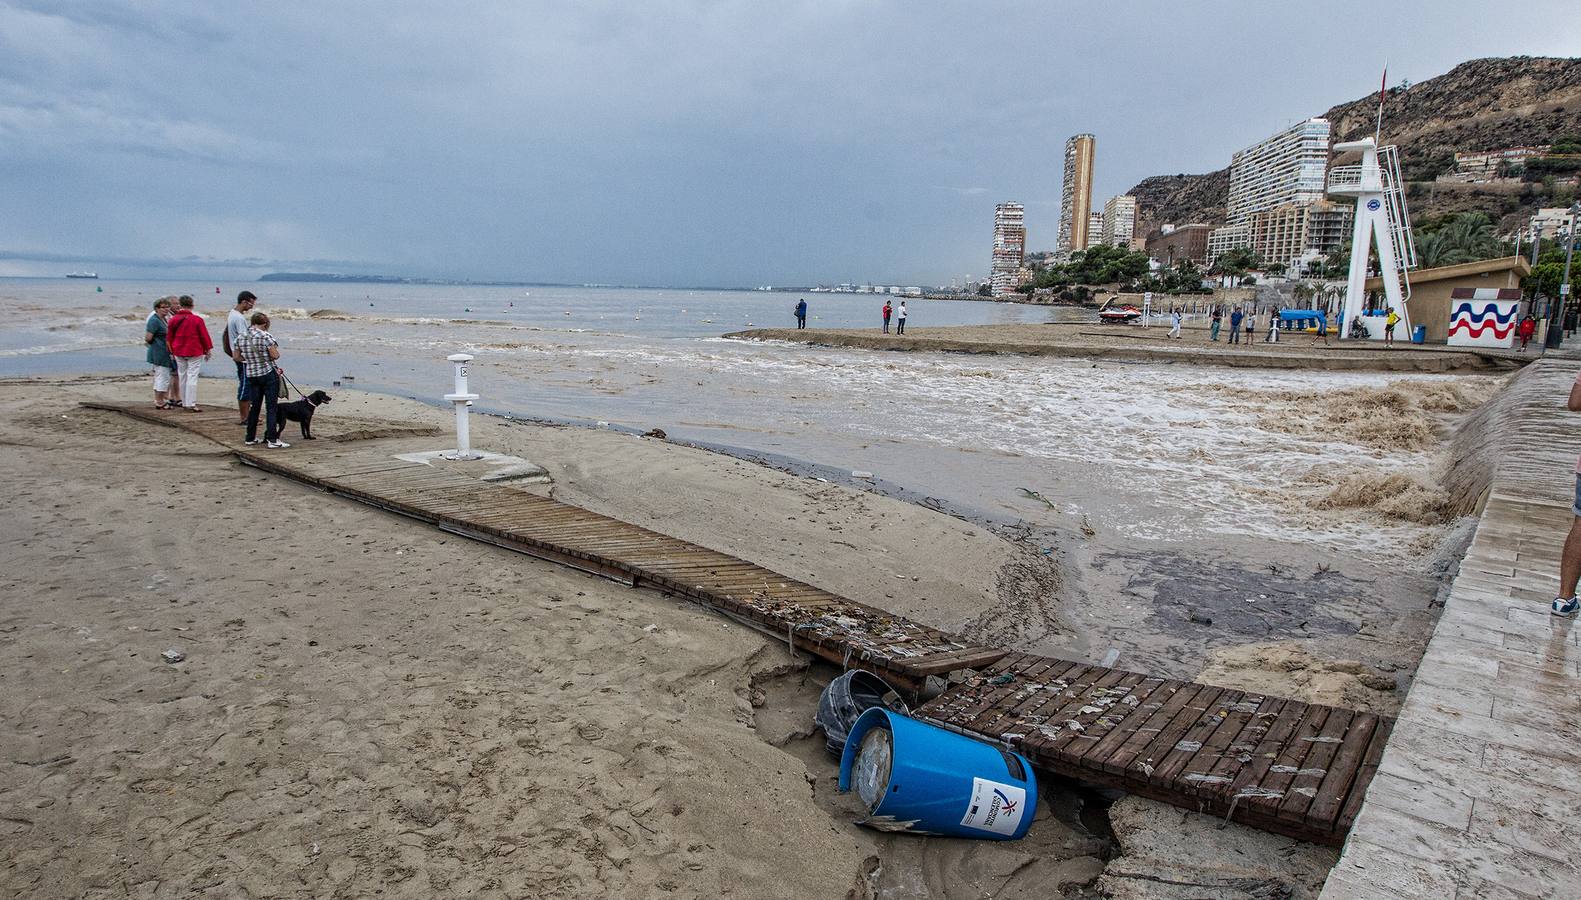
258	352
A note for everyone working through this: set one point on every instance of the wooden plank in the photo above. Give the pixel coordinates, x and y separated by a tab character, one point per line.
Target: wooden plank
1073	745
1170	769
1364	774
1314	772
1167	744
1082	695
1145	707
1328	793
1125	756
1238	753
1034	694
1276	779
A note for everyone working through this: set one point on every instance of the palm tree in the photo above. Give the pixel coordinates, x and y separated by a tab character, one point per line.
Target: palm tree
1462	238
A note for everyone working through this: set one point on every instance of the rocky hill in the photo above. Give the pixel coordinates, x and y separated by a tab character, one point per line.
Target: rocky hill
1484	104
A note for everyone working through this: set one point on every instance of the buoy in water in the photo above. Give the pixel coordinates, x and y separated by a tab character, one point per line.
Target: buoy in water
98	289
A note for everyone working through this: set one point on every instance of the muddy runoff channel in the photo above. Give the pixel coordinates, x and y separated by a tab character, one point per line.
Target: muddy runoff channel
1341	617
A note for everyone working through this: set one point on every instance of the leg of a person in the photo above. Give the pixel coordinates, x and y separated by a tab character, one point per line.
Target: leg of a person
1570	558
161	385
271	401
189	366
255	390
243	396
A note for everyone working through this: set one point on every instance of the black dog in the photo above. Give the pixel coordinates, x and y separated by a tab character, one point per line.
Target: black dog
301	411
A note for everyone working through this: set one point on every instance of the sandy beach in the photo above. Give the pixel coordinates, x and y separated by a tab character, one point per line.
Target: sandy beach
1153	344
370	704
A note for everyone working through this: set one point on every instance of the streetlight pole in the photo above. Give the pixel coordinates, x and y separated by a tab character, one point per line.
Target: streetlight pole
1564	283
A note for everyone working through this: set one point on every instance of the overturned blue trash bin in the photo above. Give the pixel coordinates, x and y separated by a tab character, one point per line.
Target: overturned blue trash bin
914	777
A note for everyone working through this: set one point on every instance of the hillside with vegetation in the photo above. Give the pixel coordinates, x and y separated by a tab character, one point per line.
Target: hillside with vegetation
1484	104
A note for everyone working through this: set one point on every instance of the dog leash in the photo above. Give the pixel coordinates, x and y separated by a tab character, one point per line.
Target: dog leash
293	387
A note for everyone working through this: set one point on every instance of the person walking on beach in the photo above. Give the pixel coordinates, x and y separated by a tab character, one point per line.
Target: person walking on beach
1235	325
1174	323
1215	323
1389	321
900	318
159	352
190	344
1565	604
887	311
235	326
258	354
1251	326
1527	329
801	314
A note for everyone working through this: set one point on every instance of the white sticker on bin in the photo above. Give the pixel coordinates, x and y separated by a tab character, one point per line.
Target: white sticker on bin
995	807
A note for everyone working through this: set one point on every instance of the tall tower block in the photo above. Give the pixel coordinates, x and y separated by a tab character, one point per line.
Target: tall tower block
1075	205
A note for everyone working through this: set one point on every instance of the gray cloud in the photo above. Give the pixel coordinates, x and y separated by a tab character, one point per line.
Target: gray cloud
666	142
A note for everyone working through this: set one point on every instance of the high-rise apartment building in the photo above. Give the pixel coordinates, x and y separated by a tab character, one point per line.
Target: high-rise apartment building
1293	233
1119	221
1075	205
1094	230
1010	245
1289	167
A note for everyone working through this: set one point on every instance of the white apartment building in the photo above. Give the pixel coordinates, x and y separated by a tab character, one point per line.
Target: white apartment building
1119	220
1094	229
1552	221
1289	167
1223	240
1010	245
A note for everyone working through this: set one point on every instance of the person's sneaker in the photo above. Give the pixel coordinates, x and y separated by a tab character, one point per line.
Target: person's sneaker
1566	607
277	445
253	441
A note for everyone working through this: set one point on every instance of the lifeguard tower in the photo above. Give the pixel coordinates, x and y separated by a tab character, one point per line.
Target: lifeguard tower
1381	215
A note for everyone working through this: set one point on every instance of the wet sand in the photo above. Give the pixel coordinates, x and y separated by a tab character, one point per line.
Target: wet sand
370	703
1134	343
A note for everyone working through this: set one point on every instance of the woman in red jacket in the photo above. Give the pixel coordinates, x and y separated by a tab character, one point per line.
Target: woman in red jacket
1527	329
190	344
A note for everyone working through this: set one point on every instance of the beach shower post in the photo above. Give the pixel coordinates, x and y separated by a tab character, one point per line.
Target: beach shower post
462	399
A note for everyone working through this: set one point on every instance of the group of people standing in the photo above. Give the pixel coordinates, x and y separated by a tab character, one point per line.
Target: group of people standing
889	312
178	344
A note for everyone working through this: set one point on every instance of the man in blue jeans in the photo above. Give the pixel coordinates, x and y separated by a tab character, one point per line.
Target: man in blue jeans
1570	560
258	352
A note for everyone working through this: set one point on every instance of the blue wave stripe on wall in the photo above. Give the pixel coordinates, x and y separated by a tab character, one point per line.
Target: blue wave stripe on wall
1488	311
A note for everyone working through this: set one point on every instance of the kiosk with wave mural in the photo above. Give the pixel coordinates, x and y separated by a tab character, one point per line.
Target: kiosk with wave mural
1483	317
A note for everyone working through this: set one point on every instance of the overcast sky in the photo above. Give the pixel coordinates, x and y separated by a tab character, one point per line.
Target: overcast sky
659	142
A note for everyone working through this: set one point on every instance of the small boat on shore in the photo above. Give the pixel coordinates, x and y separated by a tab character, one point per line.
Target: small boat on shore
82	274
1119	315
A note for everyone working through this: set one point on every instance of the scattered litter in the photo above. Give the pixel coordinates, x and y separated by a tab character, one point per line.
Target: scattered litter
315	848
1207	779
1075	726
858	473
173	656
1201	619
1292	769
1006	678
1037	496
650	628
1110	658
1189	746
655	433
1322	739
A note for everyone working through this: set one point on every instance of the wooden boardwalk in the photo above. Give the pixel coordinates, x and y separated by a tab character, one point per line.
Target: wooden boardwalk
1282	765
842	631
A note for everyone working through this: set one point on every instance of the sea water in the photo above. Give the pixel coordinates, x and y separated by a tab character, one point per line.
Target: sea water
1149	452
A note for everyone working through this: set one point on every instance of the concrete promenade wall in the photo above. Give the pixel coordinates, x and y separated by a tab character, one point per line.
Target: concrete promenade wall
1478	793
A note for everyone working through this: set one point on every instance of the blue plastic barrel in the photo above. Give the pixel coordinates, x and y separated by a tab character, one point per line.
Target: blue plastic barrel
1419	334
914	777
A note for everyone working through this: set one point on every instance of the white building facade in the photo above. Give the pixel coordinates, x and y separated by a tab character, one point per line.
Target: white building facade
1119	221
1288	168
1010	245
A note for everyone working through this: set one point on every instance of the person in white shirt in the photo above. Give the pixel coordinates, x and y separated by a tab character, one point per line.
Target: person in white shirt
1174	323
900	318
236	325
